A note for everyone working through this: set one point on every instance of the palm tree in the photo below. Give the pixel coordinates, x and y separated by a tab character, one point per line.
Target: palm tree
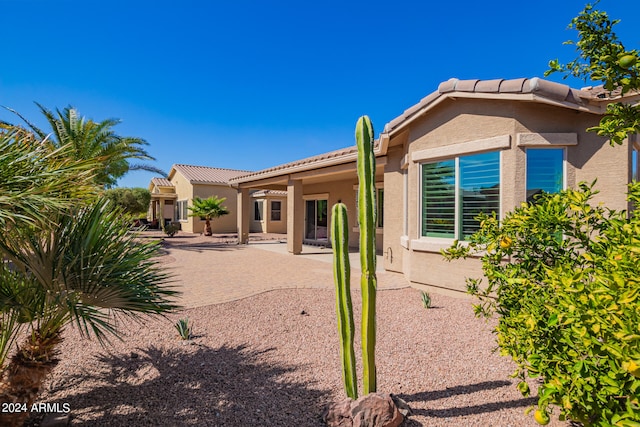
67	259
208	209
35	177
95	140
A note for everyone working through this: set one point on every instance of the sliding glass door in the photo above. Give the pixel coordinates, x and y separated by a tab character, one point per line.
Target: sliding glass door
316	226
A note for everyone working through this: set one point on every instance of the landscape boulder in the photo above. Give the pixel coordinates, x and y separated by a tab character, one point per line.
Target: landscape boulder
372	410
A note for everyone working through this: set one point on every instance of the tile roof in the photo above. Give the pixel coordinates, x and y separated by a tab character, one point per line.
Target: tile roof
342	155
161	182
588	99
263	193
207	175
555	92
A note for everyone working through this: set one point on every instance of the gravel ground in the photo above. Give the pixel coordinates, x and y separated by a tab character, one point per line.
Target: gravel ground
272	360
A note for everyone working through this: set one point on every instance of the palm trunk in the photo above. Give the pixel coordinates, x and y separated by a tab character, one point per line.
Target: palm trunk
207	228
25	374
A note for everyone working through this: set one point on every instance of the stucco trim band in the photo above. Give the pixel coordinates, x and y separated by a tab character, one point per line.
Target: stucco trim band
542	139
470	147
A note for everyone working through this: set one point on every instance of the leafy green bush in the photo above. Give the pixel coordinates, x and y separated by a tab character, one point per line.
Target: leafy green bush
171	229
563	277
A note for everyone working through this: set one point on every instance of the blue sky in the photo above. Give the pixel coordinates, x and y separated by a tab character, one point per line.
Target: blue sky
252	84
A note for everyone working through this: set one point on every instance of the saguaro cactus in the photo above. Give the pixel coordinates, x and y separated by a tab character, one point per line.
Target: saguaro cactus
342	279
366	165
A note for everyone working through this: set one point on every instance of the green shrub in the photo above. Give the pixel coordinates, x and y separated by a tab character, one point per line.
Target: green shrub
171	229
563	277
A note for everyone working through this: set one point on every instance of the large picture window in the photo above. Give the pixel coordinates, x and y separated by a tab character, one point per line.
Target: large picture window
455	191
545	171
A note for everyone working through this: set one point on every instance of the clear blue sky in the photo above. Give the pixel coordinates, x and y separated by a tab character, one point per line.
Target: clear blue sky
252	84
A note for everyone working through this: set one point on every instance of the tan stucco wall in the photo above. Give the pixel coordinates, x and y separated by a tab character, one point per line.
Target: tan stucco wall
186	191
343	190
394	207
268	225
467	120
224	224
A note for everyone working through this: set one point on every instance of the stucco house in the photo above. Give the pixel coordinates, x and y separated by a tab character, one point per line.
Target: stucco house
171	196
470	146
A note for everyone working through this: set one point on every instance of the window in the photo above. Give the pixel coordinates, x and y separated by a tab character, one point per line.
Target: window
257	210
276	209
544	171
455	191
181	210
635	168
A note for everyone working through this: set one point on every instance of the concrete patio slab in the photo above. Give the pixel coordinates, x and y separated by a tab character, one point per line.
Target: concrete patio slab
211	271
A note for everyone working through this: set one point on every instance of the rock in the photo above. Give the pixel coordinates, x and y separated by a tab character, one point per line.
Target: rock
375	410
338	414
55	420
403	407
372	410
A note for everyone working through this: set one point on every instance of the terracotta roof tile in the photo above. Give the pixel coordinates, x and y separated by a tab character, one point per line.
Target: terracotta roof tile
208	175
536	86
345	154
161	182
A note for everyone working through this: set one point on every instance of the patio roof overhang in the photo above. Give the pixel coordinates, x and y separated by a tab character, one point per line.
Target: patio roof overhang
278	180
164	196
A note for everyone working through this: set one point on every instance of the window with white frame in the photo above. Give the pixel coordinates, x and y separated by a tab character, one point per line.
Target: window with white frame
455	191
181	210
257	210
276	210
545	171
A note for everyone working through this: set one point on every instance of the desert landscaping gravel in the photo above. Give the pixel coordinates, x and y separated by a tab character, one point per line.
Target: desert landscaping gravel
272	360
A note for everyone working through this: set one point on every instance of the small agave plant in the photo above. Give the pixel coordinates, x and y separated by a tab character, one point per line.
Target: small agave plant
426	299
183	328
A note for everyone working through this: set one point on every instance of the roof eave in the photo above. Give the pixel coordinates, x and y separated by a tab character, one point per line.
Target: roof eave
529	97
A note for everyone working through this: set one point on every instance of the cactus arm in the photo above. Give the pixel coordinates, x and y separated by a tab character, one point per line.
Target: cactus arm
366	167
344	309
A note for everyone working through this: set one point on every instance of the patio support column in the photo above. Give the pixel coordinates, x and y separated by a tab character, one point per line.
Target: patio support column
295	216
244	210
161	216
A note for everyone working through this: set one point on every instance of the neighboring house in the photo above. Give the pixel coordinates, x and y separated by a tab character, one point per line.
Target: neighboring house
269	212
173	195
468	147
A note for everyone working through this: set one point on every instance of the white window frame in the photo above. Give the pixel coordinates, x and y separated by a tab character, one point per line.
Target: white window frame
181	211
435	244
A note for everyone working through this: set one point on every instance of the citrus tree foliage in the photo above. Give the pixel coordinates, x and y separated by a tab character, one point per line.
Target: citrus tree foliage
602	57
562	275
134	201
